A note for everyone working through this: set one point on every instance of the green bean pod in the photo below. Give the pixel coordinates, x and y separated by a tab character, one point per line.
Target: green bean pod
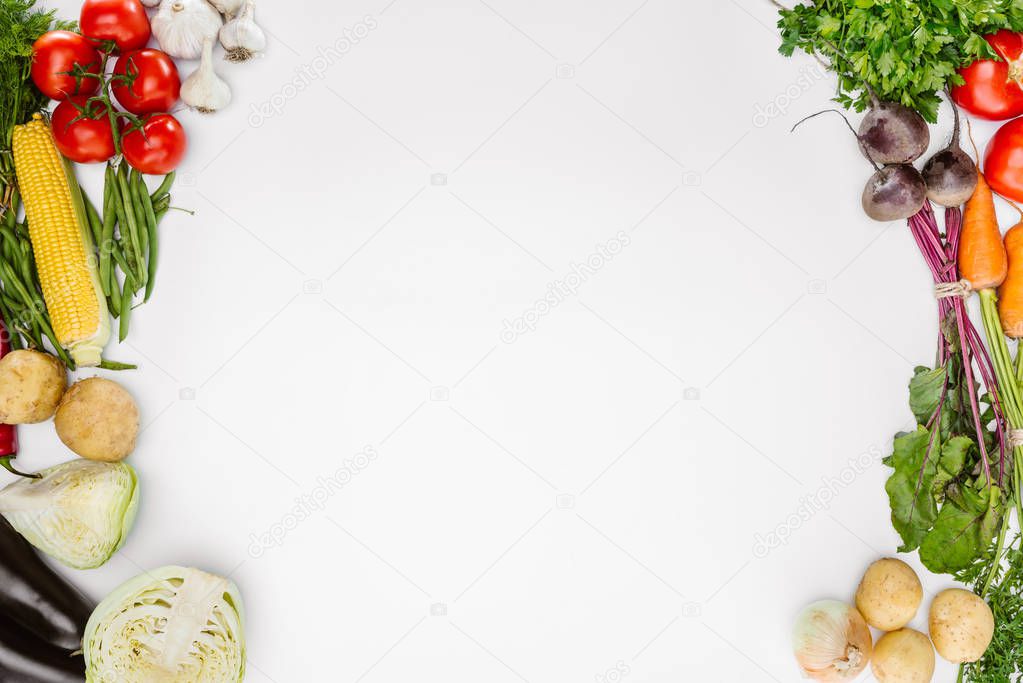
154	239
164	188
133	246
107	235
125	321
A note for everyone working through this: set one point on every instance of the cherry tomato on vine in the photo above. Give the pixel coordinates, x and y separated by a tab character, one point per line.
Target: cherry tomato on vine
146	81
994	90
82	130
56	52
1003	161
157	147
122	21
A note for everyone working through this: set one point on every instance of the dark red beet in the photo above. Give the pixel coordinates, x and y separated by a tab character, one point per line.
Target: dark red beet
891	133
894	193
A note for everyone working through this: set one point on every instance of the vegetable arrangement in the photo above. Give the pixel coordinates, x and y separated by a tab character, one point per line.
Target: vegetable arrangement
957	478
68	265
832	640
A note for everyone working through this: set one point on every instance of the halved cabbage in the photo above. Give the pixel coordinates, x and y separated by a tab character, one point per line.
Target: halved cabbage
79	512
170	625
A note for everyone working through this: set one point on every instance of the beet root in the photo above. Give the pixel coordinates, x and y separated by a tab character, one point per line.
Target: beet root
891	133
894	193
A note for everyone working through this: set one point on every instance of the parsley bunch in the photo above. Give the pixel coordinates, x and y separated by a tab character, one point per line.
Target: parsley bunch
1003	660
904	50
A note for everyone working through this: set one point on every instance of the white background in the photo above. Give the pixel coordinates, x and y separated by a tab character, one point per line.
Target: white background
589	495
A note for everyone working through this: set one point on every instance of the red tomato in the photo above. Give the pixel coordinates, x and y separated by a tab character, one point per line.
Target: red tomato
87	139
1003	161
993	89
57	52
146	81
157	147
122	21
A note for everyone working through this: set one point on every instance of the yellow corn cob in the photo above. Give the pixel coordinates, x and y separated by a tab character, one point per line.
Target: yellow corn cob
58	229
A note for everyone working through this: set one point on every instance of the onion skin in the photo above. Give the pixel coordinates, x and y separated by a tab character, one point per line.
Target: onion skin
831	642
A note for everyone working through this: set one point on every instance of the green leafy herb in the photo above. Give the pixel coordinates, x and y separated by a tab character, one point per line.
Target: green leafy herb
20	24
1002	661
905	50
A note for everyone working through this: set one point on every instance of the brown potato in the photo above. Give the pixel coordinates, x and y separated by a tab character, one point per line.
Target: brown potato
98	419
903	656
961	625
889	594
31	384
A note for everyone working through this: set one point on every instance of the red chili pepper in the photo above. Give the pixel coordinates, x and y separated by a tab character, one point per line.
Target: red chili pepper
8	433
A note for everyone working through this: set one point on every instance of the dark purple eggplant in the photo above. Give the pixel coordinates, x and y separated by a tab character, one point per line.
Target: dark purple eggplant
36	597
24	658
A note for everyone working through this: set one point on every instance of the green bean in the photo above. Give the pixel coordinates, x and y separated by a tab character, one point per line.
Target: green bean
135	258
162	204
25	264
164	188
114	298
107	235
93	219
125	321
122	260
114	365
8	301
12	333
126	264
154	239
8	243
37	312
7	272
138	188
11	216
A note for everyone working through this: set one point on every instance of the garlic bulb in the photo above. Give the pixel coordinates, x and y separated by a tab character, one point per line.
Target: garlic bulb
241	36
228	7
204	89
831	641
181	25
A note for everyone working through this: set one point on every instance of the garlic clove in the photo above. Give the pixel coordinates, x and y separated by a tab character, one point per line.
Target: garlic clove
228	7
150	3
832	642
241	36
181	25
204	89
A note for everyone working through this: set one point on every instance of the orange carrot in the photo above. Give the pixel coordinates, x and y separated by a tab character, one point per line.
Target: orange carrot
982	257
1010	294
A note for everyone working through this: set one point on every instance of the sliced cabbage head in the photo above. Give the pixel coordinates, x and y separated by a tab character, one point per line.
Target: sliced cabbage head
169	625
79	512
